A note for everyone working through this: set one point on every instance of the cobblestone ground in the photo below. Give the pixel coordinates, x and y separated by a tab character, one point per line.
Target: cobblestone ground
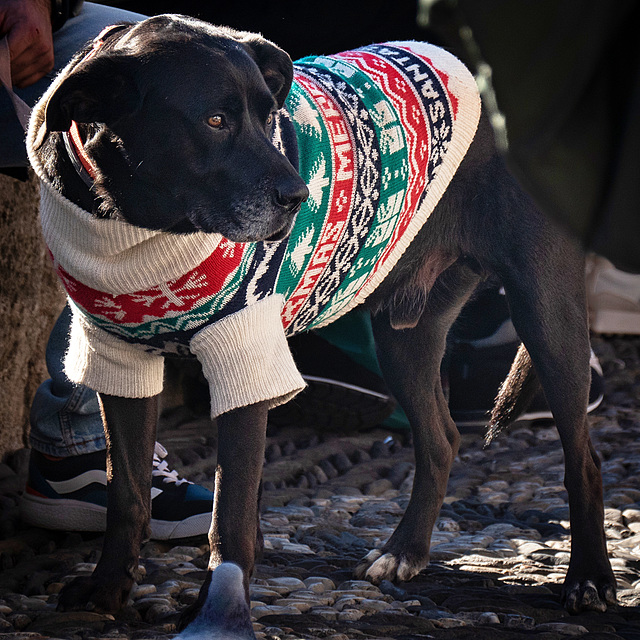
500	548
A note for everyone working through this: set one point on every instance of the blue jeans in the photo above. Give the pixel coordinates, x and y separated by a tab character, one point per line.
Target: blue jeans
65	418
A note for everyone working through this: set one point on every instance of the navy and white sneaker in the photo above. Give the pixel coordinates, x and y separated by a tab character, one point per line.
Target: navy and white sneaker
70	494
484	345
476	373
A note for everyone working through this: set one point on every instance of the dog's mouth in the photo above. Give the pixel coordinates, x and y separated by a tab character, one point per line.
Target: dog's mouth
279	235
282	233
237	228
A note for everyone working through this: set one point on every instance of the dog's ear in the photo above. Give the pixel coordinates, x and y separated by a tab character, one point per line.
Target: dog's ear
274	63
102	90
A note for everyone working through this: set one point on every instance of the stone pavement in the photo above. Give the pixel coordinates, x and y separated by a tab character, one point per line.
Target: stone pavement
500	548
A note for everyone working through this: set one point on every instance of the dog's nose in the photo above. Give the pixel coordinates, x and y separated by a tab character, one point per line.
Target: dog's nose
291	196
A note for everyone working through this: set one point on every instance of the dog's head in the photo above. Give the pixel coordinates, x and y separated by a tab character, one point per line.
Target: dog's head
181	117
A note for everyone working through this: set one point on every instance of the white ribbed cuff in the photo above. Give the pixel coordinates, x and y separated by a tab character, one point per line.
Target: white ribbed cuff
246	358
107	364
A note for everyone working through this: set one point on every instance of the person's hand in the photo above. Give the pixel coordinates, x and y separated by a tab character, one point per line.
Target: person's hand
27	25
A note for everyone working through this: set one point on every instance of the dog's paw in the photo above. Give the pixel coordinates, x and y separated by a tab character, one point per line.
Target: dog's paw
377	566
224	611
585	595
90	594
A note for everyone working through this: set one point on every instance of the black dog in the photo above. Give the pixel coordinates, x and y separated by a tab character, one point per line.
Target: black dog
140	98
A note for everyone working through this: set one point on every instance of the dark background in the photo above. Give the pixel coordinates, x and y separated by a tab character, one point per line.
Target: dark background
566	74
301	28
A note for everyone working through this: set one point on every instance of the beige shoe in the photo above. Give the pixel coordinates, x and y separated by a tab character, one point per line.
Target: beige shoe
613	297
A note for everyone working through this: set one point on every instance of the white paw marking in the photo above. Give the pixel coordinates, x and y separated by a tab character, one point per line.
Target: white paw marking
373	555
408	570
361	570
384	568
388	567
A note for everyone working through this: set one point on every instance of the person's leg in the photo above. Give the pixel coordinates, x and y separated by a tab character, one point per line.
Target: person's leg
67	481
65	418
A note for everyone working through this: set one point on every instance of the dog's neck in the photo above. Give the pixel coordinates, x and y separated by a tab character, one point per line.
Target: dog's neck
63	176
84	186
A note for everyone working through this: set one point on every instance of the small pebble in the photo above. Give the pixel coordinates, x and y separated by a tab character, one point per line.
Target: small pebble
273	610
19	621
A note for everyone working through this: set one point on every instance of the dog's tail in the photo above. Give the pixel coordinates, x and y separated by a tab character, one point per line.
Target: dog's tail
515	395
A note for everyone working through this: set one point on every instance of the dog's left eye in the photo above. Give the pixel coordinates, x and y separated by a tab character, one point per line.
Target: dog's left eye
215	122
270	119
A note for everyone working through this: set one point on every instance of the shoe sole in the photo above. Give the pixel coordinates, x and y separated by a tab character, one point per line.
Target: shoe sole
527	416
615	322
75	515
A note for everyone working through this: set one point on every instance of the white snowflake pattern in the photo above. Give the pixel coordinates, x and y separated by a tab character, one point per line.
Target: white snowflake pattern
110	308
303	247
227	247
307	118
318	181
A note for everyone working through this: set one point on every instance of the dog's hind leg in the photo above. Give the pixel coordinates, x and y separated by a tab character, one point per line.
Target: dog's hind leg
544	283
410	361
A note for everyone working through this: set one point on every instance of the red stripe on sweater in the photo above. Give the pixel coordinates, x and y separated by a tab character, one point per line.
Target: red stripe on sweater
342	183
171	298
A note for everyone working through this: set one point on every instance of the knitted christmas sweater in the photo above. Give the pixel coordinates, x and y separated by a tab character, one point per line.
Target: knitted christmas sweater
381	131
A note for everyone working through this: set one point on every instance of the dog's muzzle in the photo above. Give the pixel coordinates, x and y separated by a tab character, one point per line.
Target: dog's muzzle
291	198
289	202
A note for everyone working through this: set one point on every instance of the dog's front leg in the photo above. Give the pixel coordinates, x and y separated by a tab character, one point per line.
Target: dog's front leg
130	427
234	525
